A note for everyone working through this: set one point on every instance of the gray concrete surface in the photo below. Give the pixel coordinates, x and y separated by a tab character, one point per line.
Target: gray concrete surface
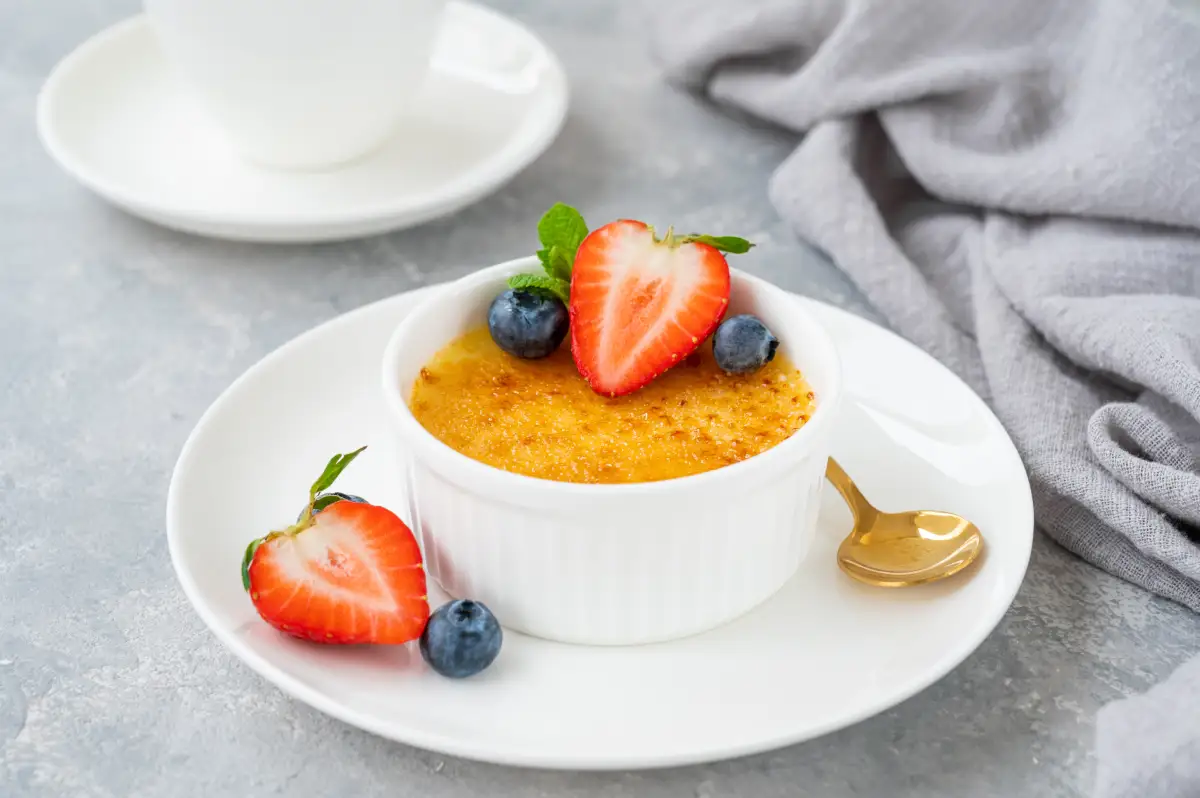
115	336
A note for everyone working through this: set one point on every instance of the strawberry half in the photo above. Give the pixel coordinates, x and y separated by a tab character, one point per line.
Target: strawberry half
639	304
349	573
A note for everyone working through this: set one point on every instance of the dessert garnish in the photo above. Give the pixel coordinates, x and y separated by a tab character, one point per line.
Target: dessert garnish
461	639
345	572
743	344
528	323
561	230
530	319
638	304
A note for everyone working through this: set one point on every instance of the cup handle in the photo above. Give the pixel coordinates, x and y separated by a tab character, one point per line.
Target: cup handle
511	67
522	79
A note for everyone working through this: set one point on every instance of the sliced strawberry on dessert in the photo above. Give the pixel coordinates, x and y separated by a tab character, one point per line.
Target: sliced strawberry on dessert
346	572
640	304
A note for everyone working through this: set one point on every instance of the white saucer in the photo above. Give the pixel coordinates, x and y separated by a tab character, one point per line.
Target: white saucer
114	116
822	654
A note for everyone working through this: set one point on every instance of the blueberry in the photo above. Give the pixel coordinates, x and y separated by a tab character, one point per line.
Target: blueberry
461	639
526	323
743	344
332	497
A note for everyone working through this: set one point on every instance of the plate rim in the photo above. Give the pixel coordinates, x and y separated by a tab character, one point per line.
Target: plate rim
503	166
298	690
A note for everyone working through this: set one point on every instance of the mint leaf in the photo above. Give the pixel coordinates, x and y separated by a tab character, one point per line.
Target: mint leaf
556	262
333	469
540	283
563	228
248	558
730	244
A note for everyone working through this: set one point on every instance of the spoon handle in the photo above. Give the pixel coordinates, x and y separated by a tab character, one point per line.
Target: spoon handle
859	506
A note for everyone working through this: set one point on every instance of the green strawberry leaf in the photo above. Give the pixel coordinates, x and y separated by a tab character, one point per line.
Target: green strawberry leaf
324	501
333	469
730	244
539	283
563	228
248	558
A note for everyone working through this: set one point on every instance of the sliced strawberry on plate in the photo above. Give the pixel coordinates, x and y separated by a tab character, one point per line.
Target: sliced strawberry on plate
350	572
640	304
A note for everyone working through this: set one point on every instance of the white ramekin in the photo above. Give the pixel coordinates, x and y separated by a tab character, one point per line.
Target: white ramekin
611	564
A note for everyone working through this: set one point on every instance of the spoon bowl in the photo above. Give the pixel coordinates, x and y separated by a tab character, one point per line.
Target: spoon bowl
901	549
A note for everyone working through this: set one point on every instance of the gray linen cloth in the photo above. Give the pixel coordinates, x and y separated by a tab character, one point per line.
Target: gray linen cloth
1015	186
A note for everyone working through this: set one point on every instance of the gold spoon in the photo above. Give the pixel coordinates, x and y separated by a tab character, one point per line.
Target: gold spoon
901	549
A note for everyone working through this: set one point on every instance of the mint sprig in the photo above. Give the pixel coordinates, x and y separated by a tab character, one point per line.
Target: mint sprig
333	469
556	262
560	230
541	283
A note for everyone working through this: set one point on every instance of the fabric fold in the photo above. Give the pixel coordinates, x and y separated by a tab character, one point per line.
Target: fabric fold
1015	187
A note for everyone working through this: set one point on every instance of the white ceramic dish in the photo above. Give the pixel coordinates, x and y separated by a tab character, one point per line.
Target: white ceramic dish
114	116
823	653
611	564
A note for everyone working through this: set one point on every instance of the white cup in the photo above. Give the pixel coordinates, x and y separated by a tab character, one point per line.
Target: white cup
301	83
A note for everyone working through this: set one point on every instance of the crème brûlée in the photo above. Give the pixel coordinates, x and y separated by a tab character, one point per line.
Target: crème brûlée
541	419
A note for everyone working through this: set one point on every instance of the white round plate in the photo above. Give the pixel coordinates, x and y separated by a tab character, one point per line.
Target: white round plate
115	116
825	652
